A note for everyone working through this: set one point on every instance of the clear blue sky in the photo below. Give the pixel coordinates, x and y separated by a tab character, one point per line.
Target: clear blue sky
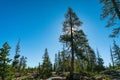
38	23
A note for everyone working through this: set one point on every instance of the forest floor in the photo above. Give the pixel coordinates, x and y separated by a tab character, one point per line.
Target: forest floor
104	75
112	74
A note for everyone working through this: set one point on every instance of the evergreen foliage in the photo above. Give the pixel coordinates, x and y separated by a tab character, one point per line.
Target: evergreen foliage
116	53
70	25
99	66
15	63
4	62
46	65
22	65
77	43
111	10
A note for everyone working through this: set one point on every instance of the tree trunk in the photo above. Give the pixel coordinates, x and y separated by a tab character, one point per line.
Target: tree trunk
72	51
3	78
112	59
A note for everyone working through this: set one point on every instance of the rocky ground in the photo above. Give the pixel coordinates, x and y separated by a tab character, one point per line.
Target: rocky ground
105	75
112	74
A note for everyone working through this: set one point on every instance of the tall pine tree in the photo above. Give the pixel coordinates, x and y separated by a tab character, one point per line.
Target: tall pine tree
56	63
15	63
70	24
46	65
112	57
100	62
4	61
116	53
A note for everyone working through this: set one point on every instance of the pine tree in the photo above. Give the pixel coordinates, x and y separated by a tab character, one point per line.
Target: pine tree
116	53
46	65
91	59
22	65
4	61
15	63
69	26
100	63
112	57
39	68
59	62
83	51
56	63
111	9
